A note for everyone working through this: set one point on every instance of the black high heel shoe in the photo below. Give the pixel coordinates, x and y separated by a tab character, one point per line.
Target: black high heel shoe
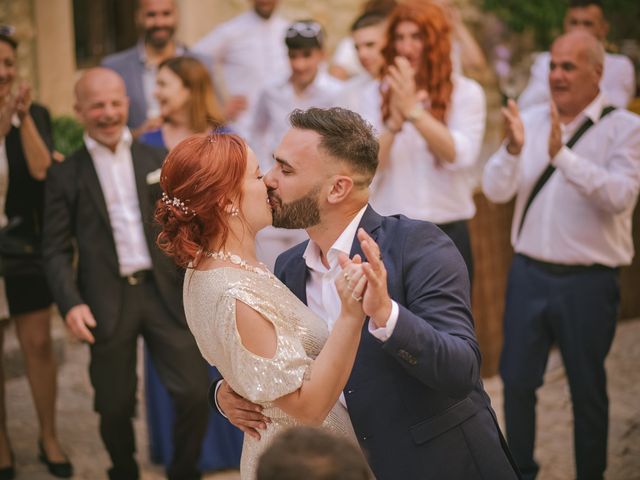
9	473
57	469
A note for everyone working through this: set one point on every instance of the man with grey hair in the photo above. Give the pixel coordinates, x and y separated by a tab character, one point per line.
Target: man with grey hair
98	222
574	167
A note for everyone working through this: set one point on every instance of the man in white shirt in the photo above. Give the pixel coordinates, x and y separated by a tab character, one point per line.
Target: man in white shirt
308	86
569	238
100	202
250	53
618	79
362	93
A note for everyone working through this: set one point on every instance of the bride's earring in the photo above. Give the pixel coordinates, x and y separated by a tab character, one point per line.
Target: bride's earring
233	211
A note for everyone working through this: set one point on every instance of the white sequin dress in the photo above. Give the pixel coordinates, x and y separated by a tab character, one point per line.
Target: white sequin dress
210	305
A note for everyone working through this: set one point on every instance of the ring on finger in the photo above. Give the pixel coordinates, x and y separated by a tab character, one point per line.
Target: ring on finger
346	276
357	298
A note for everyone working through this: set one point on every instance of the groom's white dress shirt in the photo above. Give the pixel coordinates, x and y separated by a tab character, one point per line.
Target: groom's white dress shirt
322	295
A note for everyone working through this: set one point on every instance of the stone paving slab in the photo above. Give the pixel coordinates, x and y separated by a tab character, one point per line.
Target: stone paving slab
78	424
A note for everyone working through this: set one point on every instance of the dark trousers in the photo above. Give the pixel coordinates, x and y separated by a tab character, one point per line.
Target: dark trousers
180	366
577	310
458	232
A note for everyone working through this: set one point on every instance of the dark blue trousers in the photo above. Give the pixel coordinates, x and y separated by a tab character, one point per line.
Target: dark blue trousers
576	310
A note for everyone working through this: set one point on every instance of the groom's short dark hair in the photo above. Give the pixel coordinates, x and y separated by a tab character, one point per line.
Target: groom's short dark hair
312	454
344	134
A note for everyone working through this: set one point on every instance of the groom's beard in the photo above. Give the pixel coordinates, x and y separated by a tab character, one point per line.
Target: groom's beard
301	213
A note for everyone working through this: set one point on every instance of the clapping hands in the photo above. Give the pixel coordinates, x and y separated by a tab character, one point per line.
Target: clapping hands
365	283
351	285
514	128
23	101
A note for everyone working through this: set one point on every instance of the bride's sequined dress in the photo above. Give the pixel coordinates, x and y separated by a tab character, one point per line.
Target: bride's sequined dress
210	298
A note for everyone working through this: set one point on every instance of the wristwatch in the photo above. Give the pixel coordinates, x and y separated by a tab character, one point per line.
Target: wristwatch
416	113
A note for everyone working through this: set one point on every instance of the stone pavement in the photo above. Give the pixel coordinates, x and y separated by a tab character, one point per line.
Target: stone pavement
78	425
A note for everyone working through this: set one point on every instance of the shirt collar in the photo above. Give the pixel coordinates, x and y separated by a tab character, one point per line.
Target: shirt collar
181	49
253	15
343	244
591	111
94	146
312	89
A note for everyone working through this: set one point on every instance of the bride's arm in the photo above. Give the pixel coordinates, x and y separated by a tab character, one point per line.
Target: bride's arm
311	403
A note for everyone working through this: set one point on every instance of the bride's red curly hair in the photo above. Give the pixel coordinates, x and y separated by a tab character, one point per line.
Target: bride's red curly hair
434	74
204	172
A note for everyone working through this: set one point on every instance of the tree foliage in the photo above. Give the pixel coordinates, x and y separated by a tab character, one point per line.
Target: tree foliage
544	17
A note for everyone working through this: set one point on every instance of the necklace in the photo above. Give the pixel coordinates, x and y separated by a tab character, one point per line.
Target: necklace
238	260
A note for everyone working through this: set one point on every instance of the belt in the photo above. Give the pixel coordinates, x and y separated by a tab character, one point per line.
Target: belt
136	278
561	269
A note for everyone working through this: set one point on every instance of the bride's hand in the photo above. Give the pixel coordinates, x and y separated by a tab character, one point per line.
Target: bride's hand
351	284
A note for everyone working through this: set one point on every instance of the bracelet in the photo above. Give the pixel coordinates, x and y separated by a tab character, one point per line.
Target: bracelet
416	113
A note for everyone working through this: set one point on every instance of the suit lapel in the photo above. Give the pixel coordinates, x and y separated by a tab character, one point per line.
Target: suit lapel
297	280
370	222
298	273
90	179
141	167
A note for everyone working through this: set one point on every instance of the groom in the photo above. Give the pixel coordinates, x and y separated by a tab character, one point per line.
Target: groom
414	396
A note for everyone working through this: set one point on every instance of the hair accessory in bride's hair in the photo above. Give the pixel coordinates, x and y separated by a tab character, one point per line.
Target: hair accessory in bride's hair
176	202
212	139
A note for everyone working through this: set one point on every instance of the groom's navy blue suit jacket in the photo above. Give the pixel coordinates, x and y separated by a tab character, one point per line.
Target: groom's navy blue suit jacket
416	401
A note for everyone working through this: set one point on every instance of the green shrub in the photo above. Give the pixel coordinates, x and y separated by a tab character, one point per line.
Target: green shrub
67	134
544	17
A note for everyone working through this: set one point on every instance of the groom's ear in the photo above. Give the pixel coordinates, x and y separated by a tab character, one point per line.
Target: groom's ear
340	189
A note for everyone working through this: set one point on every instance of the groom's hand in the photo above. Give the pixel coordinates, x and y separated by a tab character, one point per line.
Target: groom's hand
376	302
242	413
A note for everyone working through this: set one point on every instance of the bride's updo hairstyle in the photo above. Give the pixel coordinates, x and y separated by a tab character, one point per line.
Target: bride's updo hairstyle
201	179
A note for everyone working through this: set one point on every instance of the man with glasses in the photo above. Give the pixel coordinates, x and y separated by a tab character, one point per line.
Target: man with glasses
248	52
309	85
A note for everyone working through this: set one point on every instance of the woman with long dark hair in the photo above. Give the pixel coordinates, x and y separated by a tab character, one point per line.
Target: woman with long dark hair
25	155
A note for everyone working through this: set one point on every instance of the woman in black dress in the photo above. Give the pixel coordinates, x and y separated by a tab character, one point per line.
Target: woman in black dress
25	155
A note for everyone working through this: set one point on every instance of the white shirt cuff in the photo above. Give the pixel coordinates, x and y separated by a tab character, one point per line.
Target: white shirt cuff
564	159
215	399
383	333
507	157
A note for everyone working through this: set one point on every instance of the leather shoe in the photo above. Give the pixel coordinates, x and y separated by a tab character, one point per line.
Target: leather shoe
57	469
8	473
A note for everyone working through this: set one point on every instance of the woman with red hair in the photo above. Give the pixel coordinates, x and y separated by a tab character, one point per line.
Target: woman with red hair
187	106
262	339
434	124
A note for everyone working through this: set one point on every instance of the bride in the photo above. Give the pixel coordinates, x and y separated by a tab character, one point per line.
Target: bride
267	344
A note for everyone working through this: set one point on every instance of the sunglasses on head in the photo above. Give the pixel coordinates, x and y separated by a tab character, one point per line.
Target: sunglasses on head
7	30
304	29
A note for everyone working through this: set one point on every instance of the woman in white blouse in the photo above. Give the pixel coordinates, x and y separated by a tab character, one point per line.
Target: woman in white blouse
434	124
